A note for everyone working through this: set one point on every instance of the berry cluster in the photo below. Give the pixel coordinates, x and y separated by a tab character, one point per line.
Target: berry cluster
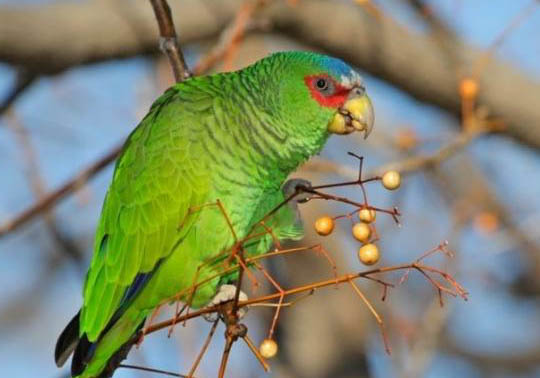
364	231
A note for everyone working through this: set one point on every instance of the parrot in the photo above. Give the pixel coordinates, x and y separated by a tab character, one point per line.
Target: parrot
212	153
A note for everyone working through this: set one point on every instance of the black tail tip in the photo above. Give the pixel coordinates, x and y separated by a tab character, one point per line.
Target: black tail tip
67	341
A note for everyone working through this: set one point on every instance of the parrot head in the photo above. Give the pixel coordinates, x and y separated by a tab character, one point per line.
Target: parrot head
322	95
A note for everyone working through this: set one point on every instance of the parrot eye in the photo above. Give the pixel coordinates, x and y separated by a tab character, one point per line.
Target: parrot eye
326	91
324	85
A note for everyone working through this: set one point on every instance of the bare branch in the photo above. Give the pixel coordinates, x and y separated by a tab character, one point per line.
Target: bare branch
522	362
50	199
404	166
417	163
229	37
151	370
23	81
168	42
37	185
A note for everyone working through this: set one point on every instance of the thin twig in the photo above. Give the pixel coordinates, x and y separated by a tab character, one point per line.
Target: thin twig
375	314
151	370
481	63
230	38
203	349
168	42
403	166
257	354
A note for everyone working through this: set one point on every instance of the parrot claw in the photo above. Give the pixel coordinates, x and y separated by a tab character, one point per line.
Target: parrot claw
226	293
289	188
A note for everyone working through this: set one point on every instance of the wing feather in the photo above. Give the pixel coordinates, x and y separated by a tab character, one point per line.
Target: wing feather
155	182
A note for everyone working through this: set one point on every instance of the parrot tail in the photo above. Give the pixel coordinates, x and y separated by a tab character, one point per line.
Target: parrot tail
104	363
67	342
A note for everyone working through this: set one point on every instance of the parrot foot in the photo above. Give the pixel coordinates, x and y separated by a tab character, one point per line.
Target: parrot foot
226	293
289	188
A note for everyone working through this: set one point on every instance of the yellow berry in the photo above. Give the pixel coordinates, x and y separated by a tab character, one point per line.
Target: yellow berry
361	232
391	180
367	215
368	254
468	88
268	348
324	225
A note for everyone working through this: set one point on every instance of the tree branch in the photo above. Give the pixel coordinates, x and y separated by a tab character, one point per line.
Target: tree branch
37	184
50	199
404	166
23	81
522	362
168	42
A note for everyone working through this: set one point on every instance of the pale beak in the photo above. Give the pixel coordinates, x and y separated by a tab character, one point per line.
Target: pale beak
356	114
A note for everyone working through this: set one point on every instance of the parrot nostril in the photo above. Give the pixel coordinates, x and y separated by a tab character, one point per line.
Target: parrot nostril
360	91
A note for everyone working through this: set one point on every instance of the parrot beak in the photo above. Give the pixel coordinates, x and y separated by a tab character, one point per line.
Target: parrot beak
356	114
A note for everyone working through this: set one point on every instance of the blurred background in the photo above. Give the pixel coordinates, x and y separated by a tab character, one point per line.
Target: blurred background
456	90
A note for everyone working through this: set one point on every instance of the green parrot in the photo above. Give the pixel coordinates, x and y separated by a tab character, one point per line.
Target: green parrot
229	137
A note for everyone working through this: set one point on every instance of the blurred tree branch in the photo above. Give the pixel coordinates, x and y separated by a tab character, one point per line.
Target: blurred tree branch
37	185
62	35
50	199
471	194
441	31
23	81
405	165
438	25
521	362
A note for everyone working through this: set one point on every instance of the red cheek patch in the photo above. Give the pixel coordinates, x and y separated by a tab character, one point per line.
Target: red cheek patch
334	100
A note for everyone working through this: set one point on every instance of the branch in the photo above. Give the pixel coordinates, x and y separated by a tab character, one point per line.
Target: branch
94	31
518	362
49	200
37	184
229	38
309	288
420	162
23	81
54	39
404	166
168	42
437	24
